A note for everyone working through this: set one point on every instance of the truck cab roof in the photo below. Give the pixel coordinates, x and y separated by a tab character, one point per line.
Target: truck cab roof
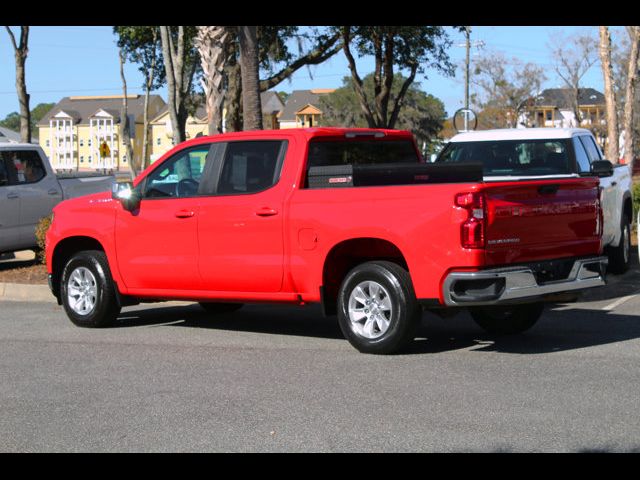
22	146
519	134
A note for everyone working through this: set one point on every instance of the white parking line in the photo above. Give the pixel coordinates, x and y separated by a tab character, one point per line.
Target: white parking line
619	302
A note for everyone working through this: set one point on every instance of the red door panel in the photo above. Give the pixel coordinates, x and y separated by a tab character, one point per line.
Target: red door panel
241	245
158	246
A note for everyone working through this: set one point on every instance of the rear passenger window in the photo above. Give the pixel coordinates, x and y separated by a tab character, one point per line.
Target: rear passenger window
582	159
250	167
323	153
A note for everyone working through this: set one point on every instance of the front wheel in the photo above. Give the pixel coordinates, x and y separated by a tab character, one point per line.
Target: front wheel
87	290
377	308
507	320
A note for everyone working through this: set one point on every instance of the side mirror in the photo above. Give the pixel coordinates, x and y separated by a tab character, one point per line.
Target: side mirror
602	168
126	195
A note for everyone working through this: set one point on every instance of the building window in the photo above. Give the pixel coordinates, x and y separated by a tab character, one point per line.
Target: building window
158	141
89	143
48	143
81	142
81	159
124	159
90	159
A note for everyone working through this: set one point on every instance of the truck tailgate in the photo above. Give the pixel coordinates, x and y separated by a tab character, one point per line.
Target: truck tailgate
535	220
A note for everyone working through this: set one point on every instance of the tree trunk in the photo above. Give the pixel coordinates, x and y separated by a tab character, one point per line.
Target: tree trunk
124	122
613	149
357	81
148	85
21	51
250	76
233	100
145	118
632	79
212	46
174	67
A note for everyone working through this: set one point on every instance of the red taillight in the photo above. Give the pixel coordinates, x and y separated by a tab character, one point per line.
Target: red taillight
473	228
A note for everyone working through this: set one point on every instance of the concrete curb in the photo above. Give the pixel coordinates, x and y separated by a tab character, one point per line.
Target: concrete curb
19	292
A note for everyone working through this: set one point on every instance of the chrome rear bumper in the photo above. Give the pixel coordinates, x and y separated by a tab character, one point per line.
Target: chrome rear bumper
513	284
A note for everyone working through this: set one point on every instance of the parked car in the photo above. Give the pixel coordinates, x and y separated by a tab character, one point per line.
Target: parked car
527	153
352	219
29	189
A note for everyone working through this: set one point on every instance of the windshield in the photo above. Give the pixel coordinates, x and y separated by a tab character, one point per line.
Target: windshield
511	157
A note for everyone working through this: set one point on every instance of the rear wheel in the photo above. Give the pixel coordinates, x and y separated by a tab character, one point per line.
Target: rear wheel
377	308
507	320
87	290
620	256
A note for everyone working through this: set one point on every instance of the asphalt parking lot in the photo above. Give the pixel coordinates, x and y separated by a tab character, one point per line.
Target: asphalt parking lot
268	378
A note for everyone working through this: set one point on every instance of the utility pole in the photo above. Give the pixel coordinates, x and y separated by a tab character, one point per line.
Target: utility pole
467	31
468	44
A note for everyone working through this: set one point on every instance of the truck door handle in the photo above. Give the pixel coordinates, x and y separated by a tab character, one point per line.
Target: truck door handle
613	184
185	213
266	212
12	195
53	191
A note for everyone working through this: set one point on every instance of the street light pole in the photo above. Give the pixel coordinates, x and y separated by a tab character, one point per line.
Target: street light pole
466	111
468	61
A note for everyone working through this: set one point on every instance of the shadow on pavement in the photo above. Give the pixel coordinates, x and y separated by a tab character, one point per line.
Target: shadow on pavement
306	321
557	330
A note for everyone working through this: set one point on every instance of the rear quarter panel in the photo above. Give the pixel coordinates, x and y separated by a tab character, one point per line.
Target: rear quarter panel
420	220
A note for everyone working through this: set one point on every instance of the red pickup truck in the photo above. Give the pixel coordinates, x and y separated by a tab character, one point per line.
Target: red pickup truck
349	218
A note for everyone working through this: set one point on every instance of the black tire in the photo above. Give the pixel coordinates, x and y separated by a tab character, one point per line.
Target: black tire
220	308
402	317
620	256
508	319
105	307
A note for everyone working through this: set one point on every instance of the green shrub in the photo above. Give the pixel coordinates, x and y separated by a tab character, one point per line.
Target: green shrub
41	232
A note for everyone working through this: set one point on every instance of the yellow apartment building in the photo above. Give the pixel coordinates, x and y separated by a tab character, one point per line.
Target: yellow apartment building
162	131
72	132
303	109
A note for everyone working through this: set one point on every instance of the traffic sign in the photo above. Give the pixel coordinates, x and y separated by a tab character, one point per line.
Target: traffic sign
464	120
104	150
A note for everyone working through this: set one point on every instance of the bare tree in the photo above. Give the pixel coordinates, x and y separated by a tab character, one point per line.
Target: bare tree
21	51
506	87
125	124
180	70
148	85
632	80
573	57
141	45
250	75
212	44
613	147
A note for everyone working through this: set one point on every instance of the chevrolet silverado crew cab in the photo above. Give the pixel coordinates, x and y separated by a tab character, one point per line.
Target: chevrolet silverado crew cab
349	218
538	153
30	188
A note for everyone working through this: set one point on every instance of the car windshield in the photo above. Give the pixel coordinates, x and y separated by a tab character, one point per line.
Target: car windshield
511	157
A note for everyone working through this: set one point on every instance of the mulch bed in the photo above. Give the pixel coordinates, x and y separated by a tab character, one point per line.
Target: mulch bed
23	271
